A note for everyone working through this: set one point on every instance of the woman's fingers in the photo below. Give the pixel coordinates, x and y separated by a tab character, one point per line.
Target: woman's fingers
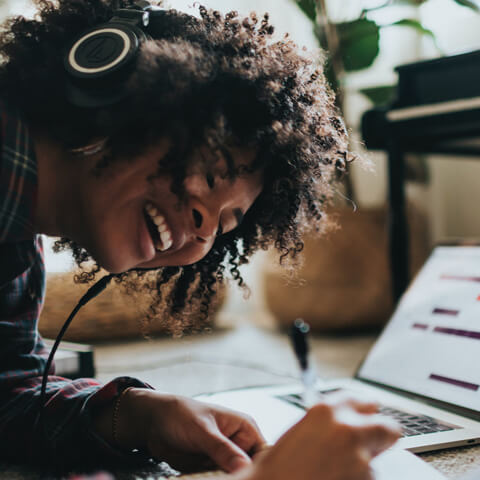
362	403
231	450
330	442
248	437
225	453
381	434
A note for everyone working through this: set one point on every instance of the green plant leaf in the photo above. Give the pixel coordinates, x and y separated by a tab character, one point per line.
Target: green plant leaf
308	8
381	95
359	43
412	23
469	4
409	2
415	24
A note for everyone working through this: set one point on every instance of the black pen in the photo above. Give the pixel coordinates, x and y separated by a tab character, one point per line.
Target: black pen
299	336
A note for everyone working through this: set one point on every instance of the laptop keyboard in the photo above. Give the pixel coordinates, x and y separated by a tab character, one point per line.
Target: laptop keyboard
415	424
412	424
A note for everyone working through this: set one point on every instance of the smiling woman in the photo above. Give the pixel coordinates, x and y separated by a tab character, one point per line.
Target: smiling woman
230	96
166	148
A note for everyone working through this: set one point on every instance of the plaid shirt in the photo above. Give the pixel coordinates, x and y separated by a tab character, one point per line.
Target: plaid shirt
70	438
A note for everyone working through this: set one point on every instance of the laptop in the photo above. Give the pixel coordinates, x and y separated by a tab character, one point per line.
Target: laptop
424	369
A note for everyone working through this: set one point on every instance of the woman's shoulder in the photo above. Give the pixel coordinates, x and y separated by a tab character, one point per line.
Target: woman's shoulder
18	176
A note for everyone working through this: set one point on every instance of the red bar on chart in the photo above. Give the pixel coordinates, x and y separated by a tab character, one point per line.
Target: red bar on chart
420	326
458	332
463	278
445	311
453	381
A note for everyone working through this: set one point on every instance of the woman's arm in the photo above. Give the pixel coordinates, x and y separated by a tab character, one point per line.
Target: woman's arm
69	436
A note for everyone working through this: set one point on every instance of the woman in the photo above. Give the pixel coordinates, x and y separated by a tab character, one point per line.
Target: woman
158	141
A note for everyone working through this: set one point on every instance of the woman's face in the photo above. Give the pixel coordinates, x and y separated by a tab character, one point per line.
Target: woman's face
133	220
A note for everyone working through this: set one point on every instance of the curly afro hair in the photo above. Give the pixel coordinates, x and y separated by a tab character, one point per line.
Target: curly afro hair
211	80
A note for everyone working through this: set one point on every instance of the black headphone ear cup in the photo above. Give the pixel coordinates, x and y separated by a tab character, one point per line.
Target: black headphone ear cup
99	61
102	51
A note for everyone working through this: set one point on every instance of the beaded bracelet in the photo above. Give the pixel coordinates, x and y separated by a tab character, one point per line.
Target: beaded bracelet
116	409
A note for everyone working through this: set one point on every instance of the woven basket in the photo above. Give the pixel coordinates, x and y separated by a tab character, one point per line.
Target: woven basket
346	282
111	315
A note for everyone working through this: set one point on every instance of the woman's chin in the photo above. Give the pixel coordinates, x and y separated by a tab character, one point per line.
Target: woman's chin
117	264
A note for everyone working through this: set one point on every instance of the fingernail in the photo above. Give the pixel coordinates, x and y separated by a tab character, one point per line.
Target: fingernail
237	463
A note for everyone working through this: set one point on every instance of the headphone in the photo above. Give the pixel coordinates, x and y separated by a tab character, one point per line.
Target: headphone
99	61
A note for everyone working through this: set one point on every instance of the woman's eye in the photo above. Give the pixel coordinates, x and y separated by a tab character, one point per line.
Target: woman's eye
210	180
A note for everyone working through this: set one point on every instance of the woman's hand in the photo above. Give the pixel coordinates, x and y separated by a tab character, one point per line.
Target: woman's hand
185	433
334	441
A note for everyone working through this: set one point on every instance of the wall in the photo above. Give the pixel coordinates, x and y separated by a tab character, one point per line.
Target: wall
455	182
453	194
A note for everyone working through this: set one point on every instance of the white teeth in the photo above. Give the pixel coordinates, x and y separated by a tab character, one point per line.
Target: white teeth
166	240
162	227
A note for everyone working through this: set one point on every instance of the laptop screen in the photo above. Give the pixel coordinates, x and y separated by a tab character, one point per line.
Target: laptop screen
431	346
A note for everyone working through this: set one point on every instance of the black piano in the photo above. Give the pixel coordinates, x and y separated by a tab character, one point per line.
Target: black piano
437	110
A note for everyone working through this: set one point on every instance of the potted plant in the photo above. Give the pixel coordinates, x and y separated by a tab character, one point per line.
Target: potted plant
345	278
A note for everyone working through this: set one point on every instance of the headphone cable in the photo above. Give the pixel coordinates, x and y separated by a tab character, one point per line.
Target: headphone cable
91	293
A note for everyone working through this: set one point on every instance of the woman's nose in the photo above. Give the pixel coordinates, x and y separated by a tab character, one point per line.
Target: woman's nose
205	222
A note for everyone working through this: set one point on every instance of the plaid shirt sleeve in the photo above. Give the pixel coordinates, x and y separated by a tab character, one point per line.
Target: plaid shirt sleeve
68	438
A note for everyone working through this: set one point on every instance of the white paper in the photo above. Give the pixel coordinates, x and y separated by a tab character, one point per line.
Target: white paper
473	475
390	465
403	465
274	417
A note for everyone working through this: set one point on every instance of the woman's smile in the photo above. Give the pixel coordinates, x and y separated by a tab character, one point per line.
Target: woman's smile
160	232
170	231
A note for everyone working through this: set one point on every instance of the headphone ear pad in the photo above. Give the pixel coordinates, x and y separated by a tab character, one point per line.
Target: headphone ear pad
102	50
99	61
